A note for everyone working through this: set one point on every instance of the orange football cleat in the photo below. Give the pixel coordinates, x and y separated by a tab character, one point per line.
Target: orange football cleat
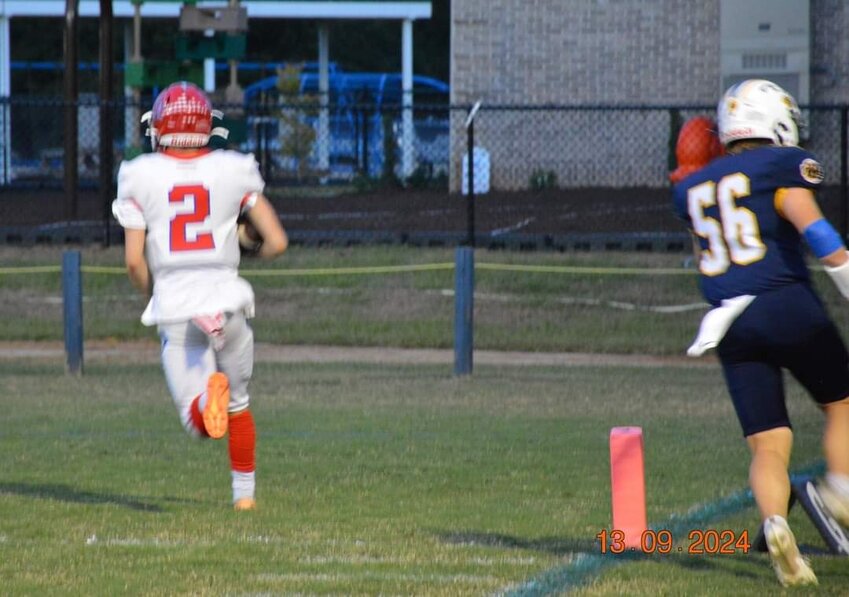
243	504
217	400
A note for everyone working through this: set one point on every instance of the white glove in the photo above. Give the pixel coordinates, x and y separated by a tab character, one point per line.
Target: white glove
840	277
716	322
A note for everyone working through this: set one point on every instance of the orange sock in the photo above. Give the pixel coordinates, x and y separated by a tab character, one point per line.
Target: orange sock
197	417
242	442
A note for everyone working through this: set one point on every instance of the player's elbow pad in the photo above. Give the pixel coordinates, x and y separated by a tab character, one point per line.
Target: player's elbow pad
840	276
822	238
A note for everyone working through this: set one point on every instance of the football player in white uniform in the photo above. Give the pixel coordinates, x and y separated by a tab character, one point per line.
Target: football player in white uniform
179	208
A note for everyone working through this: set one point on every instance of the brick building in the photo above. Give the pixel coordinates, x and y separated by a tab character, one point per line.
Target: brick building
630	53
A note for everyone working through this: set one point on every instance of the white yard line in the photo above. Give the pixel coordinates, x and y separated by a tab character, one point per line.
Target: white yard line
349	577
455	559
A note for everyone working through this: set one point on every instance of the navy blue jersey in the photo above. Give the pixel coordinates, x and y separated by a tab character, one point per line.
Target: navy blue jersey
733	207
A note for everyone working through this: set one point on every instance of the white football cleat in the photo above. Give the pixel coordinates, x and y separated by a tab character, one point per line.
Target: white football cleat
790	567
836	503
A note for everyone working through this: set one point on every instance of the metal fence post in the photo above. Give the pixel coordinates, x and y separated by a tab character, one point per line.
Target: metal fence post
71	109
366	132
844	163
470	182
464	297
464	268
72	294
105	84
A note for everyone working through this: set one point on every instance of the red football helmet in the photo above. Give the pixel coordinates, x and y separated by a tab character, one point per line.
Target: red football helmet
697	145
181	117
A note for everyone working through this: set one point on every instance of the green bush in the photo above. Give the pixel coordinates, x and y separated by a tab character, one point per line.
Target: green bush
543	179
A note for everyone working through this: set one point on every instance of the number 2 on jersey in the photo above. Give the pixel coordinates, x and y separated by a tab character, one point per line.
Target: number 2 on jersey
735	237
199	196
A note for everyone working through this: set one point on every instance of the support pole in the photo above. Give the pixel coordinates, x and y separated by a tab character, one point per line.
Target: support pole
464	298
470	174
209	68
324	101
234	93
844	164
72	295
407	132
5	108
132	95
71	95
106	156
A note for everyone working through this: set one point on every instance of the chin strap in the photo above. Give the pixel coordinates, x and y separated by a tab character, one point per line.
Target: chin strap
218	131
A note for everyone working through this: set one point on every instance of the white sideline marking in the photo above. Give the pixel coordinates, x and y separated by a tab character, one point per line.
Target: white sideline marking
591	302
513	228
93	539
373	575
438	559
136	542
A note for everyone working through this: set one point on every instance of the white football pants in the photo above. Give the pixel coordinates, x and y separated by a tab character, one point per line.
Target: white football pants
188	359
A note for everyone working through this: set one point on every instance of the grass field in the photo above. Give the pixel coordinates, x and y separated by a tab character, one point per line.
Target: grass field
384	479
639	303
391	480
514	310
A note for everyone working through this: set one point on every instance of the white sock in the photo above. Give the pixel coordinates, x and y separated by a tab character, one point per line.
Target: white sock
839	483
244	485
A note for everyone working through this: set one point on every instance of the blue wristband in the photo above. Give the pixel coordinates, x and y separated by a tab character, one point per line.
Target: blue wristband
822	238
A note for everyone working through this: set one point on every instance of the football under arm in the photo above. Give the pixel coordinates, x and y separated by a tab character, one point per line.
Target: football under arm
135	261
267	224
800	208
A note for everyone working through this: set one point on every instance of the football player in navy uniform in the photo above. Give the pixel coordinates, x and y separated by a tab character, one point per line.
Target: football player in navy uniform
752	214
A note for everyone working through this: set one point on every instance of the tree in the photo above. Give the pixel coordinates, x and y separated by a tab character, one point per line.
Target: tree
297	135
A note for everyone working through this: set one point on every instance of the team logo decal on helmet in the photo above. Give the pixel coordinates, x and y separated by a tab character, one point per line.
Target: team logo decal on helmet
182	117
758	109
811	170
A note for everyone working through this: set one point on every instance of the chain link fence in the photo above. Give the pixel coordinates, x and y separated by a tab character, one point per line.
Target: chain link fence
561	177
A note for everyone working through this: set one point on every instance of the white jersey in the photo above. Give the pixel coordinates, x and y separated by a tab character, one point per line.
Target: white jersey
189	206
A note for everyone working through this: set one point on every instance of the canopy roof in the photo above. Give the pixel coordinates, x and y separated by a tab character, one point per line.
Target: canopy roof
282	9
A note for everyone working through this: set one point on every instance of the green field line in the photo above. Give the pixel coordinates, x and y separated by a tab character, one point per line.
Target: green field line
586	567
